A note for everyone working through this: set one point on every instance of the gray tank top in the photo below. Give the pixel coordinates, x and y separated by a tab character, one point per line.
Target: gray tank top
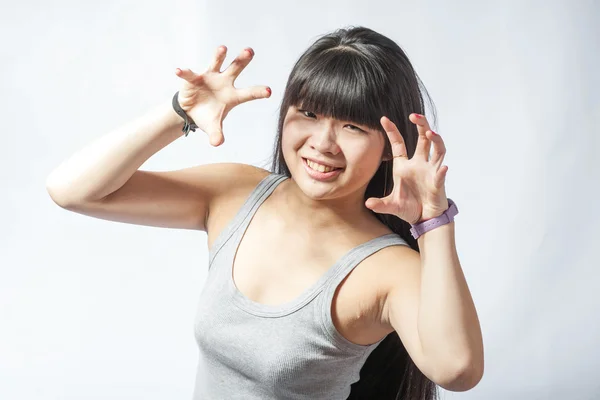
252	351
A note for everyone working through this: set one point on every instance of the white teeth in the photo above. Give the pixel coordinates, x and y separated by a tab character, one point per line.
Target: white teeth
318	167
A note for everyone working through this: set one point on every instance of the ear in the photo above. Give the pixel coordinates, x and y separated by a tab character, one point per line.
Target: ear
387	148
387	155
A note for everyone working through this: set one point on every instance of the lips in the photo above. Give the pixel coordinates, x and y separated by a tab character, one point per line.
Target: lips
318	175
327	164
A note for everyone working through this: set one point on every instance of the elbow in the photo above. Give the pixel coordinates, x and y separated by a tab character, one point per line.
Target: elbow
463	378
56	194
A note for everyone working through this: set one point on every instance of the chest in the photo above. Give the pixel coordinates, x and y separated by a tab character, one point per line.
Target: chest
271	268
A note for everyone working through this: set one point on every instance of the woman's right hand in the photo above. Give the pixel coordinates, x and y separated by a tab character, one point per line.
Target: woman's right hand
208	97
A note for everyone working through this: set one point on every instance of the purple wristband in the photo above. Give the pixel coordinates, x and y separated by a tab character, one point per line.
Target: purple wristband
425	226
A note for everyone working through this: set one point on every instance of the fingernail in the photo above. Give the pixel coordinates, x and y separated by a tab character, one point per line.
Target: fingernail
418	115
269	90
435	134
249	50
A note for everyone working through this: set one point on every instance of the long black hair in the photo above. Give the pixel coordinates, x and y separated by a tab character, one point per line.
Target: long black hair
356	74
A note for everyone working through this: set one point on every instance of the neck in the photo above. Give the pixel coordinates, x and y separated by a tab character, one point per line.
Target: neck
328	215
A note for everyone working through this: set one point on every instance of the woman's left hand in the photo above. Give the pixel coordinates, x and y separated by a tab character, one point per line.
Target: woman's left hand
418	193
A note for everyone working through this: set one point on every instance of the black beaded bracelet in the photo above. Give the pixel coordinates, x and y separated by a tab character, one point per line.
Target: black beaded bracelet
189	122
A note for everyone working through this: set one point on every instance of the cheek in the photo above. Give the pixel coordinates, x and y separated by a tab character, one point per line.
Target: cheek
365	154
291	142
288	142
293	138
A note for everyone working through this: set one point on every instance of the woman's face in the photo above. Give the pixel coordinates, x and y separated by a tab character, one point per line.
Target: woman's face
355	149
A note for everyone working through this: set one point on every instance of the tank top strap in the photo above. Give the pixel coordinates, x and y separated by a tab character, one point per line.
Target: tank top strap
342	268
244	215
351	259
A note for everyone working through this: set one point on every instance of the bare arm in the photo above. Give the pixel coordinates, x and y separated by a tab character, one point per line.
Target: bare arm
448	324
105	165
103	180
430	306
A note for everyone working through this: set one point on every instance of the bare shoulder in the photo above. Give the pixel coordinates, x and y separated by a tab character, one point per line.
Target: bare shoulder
237	182
227	179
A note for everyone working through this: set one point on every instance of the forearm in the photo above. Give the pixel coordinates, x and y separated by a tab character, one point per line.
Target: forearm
107	163
448	325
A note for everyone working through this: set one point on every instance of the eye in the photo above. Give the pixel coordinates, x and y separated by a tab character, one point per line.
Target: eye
308	112
312	115
355	128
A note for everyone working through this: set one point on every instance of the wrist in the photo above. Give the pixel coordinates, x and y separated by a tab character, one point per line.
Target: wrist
424	219
173	122
426	225
164	121
440	230
431	214
188	122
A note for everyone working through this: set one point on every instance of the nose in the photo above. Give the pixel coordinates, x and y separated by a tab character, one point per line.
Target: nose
324	138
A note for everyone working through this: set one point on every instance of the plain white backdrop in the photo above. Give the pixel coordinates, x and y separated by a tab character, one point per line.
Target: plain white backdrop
91	309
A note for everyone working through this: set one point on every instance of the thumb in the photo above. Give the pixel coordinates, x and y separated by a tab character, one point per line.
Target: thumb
186	74
377	205
215	137
253	93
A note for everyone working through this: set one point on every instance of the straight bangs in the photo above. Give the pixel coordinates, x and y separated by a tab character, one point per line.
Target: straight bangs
340	84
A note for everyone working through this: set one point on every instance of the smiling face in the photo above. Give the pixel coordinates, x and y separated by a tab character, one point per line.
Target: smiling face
355	150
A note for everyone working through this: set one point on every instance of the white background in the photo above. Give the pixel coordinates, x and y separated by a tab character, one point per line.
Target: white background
91	309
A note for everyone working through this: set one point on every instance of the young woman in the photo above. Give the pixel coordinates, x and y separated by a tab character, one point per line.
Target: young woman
317	287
